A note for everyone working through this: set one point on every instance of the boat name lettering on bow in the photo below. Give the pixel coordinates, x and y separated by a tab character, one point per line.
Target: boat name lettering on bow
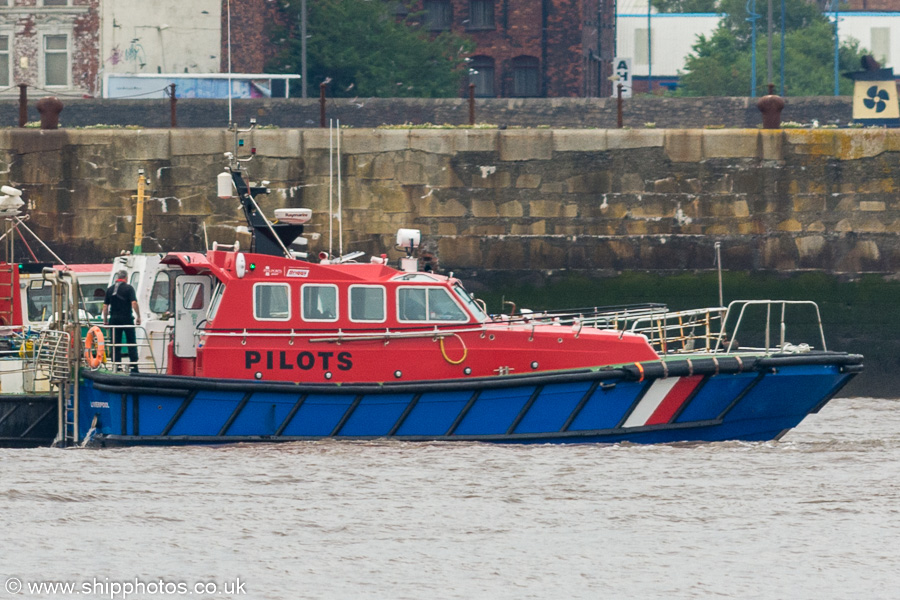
303	360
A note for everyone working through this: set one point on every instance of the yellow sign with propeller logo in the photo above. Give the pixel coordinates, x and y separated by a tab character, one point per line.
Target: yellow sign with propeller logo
875	100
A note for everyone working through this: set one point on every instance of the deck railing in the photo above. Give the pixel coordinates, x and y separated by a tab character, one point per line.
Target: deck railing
719	329
147	361
697	331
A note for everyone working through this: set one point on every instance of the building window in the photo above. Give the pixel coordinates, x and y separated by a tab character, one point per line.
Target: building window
481	73
481	14
56	2
526	80
881	43
56	60
437	15
4	60
640	46
399	9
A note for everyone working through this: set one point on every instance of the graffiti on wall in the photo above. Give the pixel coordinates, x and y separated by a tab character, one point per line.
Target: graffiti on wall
133	54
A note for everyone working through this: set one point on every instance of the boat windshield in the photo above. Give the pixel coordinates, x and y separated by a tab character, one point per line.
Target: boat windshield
39	296
92	296
214	303
469	302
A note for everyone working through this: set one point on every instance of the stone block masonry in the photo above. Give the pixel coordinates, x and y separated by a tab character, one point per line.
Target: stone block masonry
492	200
664	113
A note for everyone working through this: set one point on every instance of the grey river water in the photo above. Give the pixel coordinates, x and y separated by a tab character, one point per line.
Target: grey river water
816	515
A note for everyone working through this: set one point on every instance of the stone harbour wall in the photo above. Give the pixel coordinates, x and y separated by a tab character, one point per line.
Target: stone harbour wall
491	200
373	112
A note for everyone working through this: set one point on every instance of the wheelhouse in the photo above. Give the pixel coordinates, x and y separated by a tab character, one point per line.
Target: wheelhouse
349	296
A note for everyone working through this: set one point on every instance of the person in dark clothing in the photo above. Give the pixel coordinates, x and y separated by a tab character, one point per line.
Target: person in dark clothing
118	305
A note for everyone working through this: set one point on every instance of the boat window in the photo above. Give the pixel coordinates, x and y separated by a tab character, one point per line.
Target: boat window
39	300
192	296
160	294
272	301
214	303
367	303
469	302
428	304
92	296
319	303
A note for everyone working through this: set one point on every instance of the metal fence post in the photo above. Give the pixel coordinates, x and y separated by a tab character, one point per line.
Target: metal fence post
172	101
322	105
23	104
619	88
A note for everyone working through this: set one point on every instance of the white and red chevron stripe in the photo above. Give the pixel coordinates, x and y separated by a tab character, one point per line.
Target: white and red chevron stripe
662	401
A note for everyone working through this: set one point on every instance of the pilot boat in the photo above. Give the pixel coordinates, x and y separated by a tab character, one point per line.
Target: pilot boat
265	345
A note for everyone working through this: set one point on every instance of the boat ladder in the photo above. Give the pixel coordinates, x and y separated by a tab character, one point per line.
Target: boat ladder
53	358
7	292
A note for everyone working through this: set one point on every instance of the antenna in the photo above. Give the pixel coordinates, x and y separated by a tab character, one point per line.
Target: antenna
718	247
340	215
330	187
229	62
245	189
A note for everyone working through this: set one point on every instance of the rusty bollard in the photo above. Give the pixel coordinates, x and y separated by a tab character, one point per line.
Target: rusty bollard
49	107
771	106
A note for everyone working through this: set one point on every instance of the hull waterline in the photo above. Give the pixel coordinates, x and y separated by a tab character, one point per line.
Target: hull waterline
704	400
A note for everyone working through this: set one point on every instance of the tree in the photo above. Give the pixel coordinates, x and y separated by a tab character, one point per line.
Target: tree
721	64
364	48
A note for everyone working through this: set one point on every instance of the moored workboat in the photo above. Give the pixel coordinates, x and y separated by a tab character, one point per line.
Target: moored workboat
29	308
264	345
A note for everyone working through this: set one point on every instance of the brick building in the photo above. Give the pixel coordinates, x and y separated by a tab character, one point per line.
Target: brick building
871	5
51	45
64	47
251	21
546	48
526	48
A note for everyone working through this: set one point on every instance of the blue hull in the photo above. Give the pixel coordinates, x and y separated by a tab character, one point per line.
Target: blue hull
720	399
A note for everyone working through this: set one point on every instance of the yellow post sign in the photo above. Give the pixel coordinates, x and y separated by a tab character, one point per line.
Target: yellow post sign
875	100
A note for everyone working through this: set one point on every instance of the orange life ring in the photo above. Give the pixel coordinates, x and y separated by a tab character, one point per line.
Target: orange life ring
94	334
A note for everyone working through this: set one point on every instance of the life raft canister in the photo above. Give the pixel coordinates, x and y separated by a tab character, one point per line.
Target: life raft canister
94	360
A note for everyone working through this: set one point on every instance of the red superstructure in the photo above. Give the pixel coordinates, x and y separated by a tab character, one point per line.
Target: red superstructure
278	319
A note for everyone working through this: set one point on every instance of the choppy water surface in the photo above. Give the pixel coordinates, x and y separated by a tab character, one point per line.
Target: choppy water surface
816	515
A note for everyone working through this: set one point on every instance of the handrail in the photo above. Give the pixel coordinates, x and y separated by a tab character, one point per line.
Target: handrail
142	342
658	327
702	330
674	332
744	304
